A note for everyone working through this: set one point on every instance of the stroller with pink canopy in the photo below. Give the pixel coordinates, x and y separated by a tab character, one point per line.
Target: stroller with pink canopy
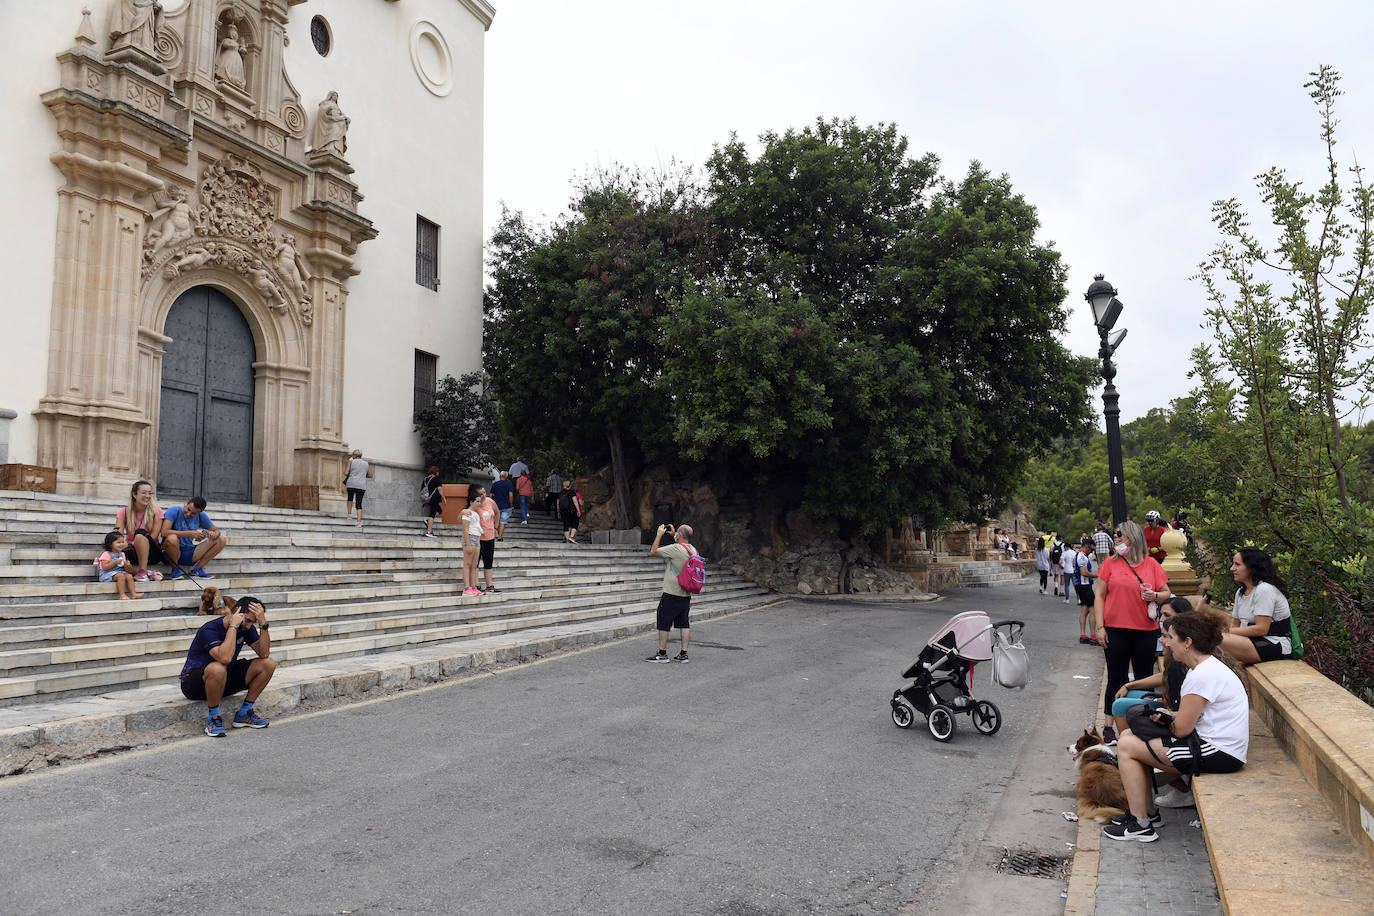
942	674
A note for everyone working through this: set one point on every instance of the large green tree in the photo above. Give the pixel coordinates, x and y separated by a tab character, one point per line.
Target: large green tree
572	336
875	325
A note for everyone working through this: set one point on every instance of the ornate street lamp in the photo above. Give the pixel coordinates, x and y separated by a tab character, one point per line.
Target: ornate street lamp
1107	308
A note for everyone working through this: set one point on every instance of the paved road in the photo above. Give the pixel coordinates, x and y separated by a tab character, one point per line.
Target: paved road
765	777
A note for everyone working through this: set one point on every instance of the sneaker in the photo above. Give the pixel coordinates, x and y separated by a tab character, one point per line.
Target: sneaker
1108	735
681	657
252	720
200	573
524	523
142	576
1173	798
429	534
215	727
154	575
658	657
1082	638
1128	817
177	573
469	592
492	588
1130	831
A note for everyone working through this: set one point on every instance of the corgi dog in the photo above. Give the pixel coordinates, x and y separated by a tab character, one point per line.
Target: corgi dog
1101	796
212	603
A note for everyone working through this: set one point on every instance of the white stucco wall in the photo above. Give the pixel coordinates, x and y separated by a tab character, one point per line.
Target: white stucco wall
28	231
414	153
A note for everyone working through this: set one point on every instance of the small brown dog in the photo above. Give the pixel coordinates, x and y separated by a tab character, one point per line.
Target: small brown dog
1101	796
213	603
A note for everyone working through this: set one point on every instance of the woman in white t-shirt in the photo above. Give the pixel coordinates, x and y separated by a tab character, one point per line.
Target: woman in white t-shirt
1261	627
1212	706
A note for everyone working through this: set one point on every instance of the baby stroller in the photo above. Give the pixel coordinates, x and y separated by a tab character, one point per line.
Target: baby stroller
943	672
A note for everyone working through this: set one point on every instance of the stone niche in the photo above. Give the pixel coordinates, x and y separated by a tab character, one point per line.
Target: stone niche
182	145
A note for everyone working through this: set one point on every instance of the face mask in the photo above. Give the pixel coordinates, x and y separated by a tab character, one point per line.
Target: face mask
1123	549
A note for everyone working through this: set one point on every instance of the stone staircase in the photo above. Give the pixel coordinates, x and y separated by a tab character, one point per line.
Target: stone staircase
333	592
992	573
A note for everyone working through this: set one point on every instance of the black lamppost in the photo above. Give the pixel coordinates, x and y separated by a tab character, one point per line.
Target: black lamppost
1106	307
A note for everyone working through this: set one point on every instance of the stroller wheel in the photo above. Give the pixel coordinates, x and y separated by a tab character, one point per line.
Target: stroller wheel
941	722
987	718
902	716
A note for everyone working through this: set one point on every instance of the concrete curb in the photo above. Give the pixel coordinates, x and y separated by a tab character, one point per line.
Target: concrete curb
1082	893
114	719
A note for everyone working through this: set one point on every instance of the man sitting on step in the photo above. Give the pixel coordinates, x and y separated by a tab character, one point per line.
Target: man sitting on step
213	669
192	540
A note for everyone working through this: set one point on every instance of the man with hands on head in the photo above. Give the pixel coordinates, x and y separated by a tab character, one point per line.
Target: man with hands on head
213	669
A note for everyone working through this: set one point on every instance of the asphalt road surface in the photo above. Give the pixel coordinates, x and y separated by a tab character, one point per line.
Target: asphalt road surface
764	777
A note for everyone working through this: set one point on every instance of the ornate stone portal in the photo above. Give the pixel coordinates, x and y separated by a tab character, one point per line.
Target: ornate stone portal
183	154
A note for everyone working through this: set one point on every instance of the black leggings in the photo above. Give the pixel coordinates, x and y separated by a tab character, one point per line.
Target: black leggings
1127	648
1044	578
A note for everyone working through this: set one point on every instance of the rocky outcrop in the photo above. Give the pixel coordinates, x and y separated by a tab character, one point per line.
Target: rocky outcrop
751	534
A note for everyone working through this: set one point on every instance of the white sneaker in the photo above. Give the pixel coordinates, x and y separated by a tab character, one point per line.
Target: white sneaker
1173	798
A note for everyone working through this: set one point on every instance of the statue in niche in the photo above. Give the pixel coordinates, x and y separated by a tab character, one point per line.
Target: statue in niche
171	221
229	59
331	127
134	24
292	267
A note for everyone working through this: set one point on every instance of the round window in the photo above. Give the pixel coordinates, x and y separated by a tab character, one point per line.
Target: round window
319	34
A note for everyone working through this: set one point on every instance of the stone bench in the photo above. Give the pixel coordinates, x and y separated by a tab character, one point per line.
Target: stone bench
1289	833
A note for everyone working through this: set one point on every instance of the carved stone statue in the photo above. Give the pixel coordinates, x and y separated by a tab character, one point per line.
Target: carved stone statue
292	267
171	221
229	59
262	282
193	258
331	127
134	23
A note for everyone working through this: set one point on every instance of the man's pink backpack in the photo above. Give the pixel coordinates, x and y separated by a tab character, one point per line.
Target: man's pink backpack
692	576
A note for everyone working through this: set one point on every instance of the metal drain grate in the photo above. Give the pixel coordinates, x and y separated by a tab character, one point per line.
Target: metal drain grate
1033	864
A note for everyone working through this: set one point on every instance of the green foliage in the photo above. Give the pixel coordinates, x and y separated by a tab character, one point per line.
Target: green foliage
828	307
871	316
459	431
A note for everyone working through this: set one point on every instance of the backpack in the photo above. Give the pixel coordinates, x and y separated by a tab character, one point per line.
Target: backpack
565	502
692	576
1056	552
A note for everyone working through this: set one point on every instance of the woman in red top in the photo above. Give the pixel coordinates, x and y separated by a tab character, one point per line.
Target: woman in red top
525	487
1128	583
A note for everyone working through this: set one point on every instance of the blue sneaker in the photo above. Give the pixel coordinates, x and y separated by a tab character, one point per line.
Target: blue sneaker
200	573
252	720
215	727
177	573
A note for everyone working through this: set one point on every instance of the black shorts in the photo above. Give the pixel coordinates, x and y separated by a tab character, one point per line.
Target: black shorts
355	496
434	508
1212	760
487	552
235	680
155	554
674	611
1085	595
1267	651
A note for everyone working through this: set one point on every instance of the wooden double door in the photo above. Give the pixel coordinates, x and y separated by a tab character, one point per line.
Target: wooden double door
205	424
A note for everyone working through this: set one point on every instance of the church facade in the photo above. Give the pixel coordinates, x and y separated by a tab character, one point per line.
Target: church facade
246	239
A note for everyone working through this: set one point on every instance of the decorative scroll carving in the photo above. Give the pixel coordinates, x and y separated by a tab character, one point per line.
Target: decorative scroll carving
167	46
236	204
293	116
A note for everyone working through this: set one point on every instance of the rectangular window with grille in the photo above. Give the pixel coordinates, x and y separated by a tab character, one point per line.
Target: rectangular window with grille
426	253
426	380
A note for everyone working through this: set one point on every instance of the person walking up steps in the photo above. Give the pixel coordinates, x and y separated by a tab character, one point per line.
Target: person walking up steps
525	488
357	473
501	492
675	604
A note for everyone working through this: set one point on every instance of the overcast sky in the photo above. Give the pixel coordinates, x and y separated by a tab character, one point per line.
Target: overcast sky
1121	124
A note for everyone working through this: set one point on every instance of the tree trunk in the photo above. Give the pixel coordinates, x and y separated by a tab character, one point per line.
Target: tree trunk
620	479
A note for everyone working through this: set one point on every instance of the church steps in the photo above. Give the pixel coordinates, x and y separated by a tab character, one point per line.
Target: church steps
159	670
87	643
289	609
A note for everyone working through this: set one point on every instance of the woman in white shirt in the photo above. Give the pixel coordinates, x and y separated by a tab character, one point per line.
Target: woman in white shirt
1210	732
472	543
1261	627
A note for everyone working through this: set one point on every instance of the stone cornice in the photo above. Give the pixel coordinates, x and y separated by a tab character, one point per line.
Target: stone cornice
484	12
